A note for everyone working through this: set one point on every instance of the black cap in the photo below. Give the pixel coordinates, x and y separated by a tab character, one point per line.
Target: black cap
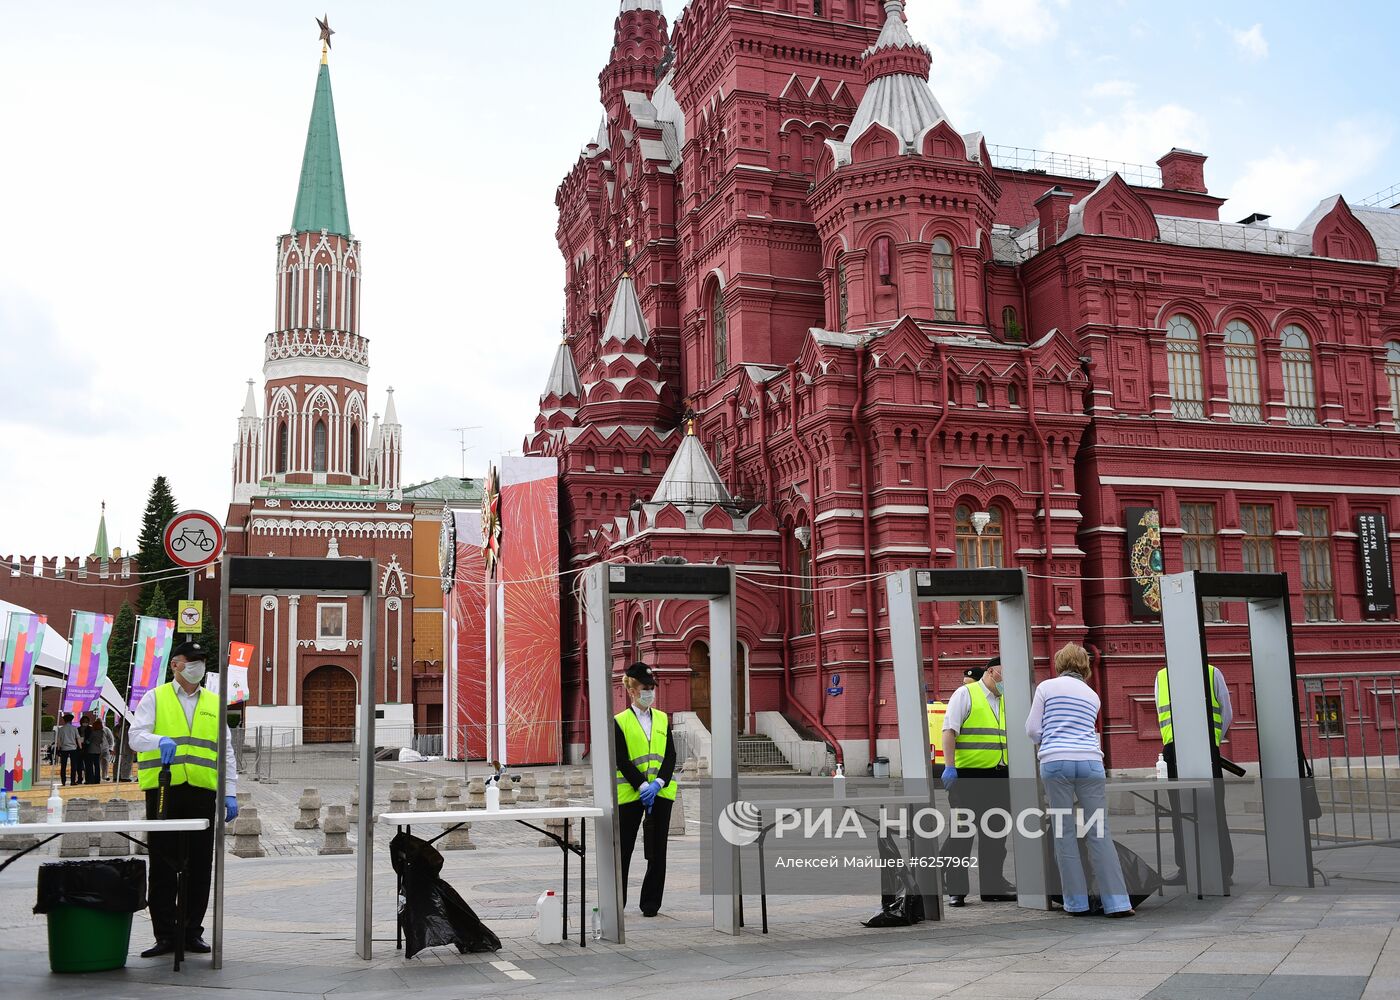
641	673
995	661
974	673
190	650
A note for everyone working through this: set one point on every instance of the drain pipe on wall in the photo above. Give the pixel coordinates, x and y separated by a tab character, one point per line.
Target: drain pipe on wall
1044	444
872	674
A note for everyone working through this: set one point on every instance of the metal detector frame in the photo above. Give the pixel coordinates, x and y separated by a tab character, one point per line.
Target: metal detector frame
608	582
256	576
1288	847
906	590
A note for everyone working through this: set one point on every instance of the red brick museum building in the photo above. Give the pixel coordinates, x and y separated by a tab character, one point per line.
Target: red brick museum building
904	346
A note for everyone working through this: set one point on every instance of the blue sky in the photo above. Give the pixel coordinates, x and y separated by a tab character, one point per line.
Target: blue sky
152	152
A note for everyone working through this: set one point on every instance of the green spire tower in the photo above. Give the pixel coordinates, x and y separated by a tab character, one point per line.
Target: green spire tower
102	550
321	193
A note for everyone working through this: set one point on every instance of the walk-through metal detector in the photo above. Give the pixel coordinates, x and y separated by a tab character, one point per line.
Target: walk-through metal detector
255	576
908	589
1276	716
610	582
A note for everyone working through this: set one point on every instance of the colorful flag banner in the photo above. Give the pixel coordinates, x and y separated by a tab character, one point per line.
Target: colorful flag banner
22	644
240	657
87	661
153	640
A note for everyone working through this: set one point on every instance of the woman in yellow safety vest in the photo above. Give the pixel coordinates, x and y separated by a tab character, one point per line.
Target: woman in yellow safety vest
646	759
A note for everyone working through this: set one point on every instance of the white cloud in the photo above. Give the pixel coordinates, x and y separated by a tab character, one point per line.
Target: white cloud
1251	43
1113	88
1287	183
1132	135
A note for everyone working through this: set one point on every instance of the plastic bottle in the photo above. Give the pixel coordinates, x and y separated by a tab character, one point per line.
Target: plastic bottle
596	927
493	797
12	813
55	806
549	913
838	782
1161	768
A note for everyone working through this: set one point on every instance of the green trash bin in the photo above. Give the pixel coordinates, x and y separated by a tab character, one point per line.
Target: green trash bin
89	906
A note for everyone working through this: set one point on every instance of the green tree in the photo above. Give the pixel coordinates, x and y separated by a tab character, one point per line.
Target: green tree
158	606
150	557
119	647
209	639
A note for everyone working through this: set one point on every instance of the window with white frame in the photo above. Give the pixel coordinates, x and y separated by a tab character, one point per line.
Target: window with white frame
1392	375
1299	396
1184	369
1242	373
945	305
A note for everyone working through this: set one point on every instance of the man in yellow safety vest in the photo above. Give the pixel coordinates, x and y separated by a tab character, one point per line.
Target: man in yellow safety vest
646	759
978	781
1221	715
176	726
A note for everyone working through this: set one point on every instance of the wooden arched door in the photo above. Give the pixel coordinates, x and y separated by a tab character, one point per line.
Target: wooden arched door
328	706
700	682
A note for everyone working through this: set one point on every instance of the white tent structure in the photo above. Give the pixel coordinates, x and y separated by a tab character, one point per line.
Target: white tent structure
51	665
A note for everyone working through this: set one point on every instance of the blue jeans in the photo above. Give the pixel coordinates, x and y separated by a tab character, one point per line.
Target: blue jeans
1066	780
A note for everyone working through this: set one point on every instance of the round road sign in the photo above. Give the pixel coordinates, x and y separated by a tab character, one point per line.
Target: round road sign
193	538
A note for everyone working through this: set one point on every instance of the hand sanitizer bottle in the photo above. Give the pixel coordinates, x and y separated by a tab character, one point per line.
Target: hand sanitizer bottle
838	782
1161	768
54	813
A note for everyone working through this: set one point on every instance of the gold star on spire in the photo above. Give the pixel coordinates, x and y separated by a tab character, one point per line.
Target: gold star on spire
326	31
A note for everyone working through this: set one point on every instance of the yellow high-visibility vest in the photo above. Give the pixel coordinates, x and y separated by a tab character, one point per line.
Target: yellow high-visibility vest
1164	706
646	755
982	738
196	747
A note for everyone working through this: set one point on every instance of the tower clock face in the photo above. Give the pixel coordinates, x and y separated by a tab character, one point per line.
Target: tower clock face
447	549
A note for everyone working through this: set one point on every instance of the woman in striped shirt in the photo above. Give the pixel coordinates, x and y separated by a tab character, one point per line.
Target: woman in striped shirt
1064	722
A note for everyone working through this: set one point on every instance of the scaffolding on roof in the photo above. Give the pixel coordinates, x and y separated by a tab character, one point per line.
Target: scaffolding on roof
1387	198
1068	165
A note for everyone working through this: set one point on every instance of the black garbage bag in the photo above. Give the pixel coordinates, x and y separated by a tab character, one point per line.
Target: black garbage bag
1141	879
901	904
113	885
430	911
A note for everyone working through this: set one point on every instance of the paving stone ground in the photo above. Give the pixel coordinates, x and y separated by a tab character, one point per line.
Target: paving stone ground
289	924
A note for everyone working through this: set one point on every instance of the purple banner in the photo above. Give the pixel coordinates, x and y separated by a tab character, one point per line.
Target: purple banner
87	661
153	639
23	641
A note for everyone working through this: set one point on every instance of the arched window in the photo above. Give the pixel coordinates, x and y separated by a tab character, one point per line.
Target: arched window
634	651
1184	369
646	463
354	449
1392	375
319	447
981	393
1299	399
843	301
283	446
1013	394
719	332
323	295
980	542
1011	325
294	299
349	318
945	304
882	250
806	598
1242	373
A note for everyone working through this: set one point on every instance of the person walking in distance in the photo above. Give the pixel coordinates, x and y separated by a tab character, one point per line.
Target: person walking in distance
1221	715
66	747
977	780
646	759
176	725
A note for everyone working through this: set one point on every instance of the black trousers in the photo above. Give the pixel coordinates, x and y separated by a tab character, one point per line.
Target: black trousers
978	789
181	802
92	768
631	816
70	759
1227	849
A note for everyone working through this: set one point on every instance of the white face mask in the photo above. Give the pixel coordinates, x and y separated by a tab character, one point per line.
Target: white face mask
646	698
192	673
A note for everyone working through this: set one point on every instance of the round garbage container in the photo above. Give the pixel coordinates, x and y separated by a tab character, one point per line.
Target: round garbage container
882	767
89	906
83	940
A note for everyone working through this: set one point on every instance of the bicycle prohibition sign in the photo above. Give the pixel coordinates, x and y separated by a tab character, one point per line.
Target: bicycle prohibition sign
193	538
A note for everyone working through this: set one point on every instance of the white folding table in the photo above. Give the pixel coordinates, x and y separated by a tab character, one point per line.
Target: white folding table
527	816
47	832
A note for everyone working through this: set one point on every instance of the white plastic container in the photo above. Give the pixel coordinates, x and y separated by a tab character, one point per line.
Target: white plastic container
493	797
838	782
1161	768
54	813
597	925
549	917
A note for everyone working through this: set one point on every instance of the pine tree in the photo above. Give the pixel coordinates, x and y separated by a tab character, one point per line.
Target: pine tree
209	639
150	557
159	605
119	648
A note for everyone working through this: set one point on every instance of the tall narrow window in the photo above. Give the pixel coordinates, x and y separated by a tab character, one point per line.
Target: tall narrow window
1242	373
806	602
323	295
283	446
294	310
635	648
1257	523
1011	325
1299	398
1198	547
1315	554
1392	375
319	449
646	463
348	320
945	304
354	449
843	301
719	332
980	542
1184	369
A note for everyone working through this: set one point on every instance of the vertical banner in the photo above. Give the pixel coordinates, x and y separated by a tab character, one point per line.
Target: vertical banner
465	696
16	748
1144	538
153	639
23	640
87	661
240	657
1377	582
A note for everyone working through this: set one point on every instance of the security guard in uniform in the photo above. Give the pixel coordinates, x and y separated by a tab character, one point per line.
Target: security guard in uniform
177	726
1221	715
977	780
646	759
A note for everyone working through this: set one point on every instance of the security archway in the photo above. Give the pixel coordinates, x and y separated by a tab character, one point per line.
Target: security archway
610	582
1007	587
1275	678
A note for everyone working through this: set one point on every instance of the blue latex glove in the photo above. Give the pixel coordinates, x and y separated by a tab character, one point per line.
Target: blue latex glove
230	808
167	750
648	793
950	775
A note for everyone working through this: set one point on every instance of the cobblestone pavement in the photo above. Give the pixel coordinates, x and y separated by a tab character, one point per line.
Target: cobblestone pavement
289	923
